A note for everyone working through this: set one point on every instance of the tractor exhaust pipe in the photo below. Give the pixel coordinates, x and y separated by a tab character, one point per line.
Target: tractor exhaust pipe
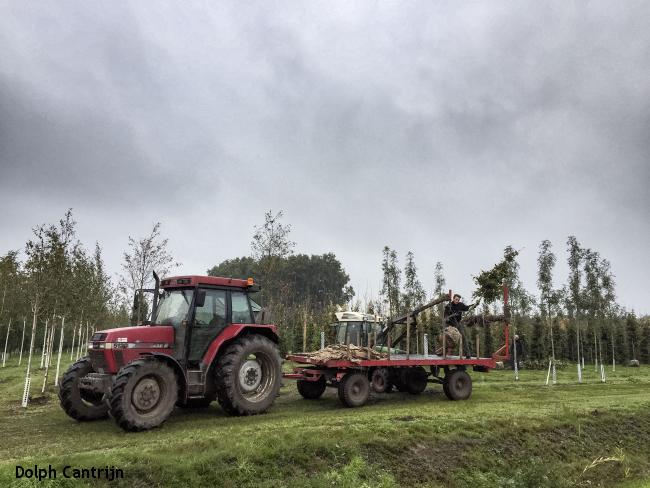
155	295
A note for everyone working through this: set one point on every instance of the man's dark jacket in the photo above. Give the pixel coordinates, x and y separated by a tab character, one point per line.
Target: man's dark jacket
454	312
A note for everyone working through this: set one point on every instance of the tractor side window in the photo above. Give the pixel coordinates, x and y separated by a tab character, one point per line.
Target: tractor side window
241	313
213	311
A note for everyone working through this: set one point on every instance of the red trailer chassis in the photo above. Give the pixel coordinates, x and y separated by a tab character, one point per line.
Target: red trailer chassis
354	379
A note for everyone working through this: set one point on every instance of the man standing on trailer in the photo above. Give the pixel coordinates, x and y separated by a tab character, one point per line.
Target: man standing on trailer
453	316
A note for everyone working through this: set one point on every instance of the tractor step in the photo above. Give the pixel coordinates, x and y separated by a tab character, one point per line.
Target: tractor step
195	383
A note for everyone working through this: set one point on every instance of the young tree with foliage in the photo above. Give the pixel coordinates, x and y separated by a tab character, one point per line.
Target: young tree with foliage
414	294
144	256
545	264
391	281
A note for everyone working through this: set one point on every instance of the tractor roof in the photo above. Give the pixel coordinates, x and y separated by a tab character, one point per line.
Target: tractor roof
357	317
177	281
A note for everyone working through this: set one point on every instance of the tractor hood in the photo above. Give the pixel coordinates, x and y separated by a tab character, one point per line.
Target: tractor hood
143	335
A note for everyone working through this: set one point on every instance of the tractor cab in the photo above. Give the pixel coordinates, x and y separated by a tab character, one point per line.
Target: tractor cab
356	328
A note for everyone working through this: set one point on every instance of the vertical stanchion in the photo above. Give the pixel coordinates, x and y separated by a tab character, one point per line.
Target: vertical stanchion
514	355
88	331
478	353
425	345
322	339
389	345
444	344
408	336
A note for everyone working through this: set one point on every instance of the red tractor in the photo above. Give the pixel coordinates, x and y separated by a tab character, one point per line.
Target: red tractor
205	341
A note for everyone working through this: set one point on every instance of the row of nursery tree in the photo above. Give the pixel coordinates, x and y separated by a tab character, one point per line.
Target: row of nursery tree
56	277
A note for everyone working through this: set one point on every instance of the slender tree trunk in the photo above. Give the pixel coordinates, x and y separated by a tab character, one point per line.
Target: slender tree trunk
22	343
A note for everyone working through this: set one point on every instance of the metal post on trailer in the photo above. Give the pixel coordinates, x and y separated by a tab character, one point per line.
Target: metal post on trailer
389	345
408	336
425	345
478	339
322	339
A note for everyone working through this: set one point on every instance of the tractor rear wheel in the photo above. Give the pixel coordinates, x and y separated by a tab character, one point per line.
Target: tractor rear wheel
248	375
80	404
143	395
354	390
458	385
312	390
415	380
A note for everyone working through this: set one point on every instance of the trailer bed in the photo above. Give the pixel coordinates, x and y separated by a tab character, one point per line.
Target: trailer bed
396	360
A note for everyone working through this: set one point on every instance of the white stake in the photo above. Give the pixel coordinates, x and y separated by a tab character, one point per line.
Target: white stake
613	360
595	353
49	353
548	375
29	363
579	374
4	355
58	361
554	373
44	342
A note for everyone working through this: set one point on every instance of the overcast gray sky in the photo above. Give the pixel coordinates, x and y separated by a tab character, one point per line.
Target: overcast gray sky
448	128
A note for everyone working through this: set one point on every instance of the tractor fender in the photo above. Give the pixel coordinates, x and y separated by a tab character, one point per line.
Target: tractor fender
234	331
175	365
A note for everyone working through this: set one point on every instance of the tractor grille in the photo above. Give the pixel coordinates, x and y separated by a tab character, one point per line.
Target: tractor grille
98	359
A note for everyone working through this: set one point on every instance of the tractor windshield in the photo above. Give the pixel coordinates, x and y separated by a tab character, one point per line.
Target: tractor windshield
173	306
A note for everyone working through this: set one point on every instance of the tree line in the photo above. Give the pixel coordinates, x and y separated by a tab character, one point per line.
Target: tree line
58	278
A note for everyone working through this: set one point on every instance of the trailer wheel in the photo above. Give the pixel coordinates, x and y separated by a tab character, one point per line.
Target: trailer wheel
312	390
397	379
248	375
380	380
458	385
354	390
79	404
143	395
415	380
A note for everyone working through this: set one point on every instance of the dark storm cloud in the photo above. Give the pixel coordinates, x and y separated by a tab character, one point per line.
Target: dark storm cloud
449	129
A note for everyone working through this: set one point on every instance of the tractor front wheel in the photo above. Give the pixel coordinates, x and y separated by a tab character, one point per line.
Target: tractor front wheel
354	390
248	375
80	404
143	395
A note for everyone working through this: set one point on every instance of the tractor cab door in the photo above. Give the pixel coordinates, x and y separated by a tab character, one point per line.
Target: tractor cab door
209	320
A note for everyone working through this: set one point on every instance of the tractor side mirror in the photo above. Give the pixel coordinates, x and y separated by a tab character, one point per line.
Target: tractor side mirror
200	298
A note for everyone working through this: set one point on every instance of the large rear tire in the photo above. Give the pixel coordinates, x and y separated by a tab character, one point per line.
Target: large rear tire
143	395
79	404
312	390
458	385
354	390
248	375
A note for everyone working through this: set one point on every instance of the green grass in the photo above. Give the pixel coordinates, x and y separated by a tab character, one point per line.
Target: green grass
508	434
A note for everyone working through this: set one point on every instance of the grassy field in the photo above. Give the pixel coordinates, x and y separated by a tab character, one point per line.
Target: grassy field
508	434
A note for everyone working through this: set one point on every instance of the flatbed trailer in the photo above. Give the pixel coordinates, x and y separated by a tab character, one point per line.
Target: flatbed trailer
356	378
